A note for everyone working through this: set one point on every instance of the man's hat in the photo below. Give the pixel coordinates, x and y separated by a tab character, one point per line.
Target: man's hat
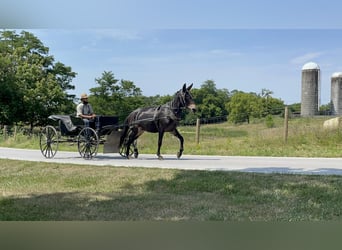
84	96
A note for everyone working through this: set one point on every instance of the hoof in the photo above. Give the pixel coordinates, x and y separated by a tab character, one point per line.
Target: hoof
160	157
179	154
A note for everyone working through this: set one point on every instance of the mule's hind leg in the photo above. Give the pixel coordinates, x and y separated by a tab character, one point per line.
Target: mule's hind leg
139	132
131	137
181	141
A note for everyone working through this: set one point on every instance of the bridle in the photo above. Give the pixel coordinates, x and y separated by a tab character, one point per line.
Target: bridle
182	97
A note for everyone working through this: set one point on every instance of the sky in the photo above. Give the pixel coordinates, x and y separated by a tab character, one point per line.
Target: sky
159	45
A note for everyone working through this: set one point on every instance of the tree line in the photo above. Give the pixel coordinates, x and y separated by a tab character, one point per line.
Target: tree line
33	86
32	83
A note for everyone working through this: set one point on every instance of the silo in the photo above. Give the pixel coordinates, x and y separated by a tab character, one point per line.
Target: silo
310	89
336	93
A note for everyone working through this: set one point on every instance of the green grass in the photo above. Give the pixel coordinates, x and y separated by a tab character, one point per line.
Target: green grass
305	138
48	191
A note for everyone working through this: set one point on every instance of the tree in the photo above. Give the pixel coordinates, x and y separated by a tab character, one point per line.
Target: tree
9	89
243	106
211	101
64	76
326	109
271	106
38	86
103	96
266	93
115	97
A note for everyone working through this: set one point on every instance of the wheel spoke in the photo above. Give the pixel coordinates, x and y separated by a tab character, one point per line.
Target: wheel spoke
88	143
49	141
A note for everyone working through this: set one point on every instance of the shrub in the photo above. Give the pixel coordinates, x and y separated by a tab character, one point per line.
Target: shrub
269	121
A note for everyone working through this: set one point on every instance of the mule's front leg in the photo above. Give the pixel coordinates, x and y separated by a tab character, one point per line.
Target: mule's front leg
160	140
181	142
135	149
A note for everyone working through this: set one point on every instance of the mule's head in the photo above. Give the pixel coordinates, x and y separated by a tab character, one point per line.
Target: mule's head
187	99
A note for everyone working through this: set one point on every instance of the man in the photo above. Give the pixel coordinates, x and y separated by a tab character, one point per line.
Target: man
85	111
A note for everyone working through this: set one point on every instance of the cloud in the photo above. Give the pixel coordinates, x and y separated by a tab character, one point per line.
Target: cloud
306	57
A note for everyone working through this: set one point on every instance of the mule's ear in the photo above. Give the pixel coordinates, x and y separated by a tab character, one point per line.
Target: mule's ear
184	87
190	86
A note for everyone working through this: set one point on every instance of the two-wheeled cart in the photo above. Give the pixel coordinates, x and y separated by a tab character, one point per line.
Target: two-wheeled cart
66	128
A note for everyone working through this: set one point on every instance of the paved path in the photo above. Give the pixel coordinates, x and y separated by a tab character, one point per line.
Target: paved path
294	165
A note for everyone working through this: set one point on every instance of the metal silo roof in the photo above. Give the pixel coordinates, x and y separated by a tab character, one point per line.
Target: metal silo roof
310	66
337	75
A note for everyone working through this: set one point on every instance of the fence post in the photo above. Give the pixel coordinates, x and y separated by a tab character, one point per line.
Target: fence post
198	124
5	132
15	133
286	124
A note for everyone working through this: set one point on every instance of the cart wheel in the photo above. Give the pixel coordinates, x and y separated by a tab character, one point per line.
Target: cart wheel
48	141
123	147
88	143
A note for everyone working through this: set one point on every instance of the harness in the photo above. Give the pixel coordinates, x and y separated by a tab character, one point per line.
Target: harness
175	106
156	111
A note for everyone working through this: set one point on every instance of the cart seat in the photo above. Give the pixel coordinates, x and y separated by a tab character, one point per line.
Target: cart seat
66	121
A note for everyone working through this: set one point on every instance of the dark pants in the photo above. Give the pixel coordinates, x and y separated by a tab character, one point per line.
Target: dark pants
93	123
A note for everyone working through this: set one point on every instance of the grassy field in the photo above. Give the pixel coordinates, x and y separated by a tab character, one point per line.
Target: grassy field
306	138
47	191
42	191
